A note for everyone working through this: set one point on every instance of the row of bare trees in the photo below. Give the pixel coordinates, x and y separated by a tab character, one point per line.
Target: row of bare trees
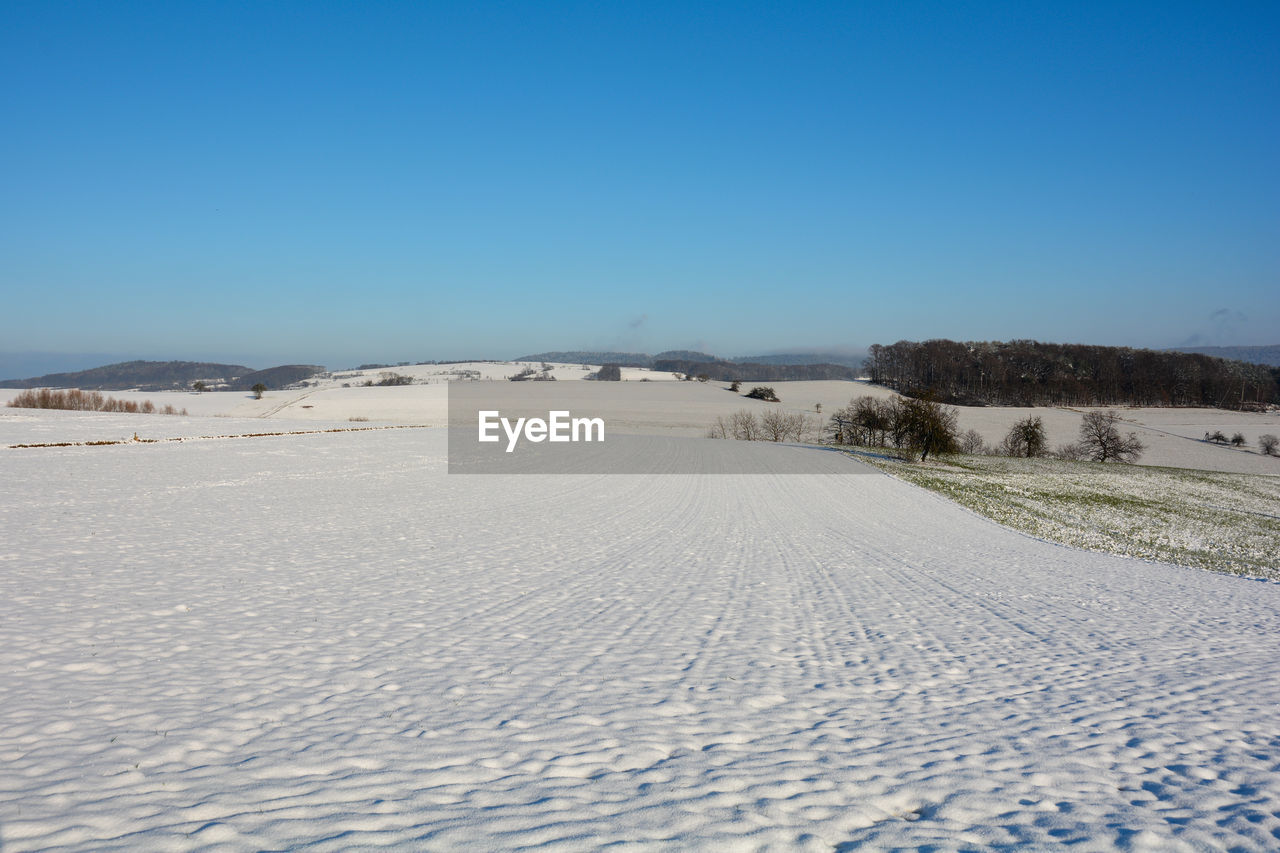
771	425
1030	373
77	400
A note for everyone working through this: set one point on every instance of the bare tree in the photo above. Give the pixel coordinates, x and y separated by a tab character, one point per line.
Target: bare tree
1269	445
1238	440
971	442
840	427
1025	438
790	425
1102	442
745	426
720	428
776	424
873	420
803	426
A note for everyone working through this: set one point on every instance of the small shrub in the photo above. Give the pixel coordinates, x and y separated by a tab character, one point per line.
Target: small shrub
609	373
1269	444
1237	440
735	386
763	392
927	427
1070	452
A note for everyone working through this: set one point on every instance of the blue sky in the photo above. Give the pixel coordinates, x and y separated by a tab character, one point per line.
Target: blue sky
342	183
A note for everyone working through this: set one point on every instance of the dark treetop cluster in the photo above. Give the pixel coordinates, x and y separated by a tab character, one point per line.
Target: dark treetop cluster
1030	373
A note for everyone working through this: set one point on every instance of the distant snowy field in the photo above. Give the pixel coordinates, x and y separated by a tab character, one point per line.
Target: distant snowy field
659	406
322	641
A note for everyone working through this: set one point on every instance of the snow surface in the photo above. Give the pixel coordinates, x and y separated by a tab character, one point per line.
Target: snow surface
323	641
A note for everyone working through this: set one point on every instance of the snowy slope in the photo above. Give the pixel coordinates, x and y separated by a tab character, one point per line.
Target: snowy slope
324	641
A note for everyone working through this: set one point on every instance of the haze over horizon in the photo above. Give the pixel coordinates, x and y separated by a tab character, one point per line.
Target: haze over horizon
344	183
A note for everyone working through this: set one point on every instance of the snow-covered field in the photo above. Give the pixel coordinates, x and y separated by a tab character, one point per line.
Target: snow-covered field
322	641
1173	436
433	374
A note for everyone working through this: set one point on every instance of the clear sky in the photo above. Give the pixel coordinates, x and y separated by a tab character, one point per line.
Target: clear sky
342	183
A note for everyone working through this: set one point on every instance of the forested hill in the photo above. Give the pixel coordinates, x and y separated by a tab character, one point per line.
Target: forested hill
170	375
1030	373
146	375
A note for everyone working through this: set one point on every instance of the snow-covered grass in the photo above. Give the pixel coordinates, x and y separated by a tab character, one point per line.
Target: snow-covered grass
1219	521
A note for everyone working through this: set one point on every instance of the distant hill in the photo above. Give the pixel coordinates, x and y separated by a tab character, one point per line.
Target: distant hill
276	378
846	359
144	375
728	371
170	375
1268	355
627	359
642	359
684	355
